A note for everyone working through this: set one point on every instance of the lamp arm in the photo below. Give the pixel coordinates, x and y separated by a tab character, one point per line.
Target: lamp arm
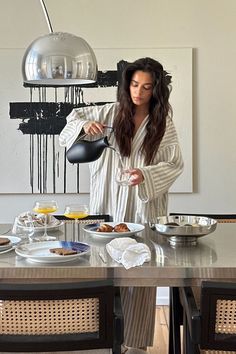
45	11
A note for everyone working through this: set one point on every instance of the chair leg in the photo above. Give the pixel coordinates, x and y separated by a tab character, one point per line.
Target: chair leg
175	320
188	346
116	349
170	349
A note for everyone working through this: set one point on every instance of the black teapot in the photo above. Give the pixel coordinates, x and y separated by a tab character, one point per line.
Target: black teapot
87	151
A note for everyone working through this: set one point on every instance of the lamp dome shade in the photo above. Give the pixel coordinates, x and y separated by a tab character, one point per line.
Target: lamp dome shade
59	59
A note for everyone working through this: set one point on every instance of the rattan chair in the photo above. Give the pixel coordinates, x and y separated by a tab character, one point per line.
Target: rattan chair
95	218
176	311
60	317
221	218
212	327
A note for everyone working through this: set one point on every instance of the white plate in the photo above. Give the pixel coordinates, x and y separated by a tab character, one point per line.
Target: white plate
39	251
13	241
134	228
52	226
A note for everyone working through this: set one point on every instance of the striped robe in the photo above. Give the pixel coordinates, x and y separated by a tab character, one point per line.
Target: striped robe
139	204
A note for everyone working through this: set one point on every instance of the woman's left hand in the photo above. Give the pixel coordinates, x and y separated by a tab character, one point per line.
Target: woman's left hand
136	176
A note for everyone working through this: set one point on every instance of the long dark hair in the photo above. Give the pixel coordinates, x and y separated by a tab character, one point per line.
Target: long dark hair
158	110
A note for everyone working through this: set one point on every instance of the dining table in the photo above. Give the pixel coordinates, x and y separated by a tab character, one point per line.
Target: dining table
212	258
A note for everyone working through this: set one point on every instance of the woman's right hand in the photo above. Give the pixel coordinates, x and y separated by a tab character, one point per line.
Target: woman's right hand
93	128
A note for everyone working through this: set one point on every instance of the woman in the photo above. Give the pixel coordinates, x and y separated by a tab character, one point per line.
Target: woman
146	139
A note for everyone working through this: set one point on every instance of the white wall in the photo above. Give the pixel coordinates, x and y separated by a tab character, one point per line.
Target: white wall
163	297
206	25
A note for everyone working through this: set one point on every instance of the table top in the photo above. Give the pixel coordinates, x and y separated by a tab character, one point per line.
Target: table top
212	259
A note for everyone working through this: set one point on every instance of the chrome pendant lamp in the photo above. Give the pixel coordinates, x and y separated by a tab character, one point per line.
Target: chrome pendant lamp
58	59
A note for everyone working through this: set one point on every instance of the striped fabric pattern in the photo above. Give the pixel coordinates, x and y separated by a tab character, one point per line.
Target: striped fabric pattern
138	204
139	332
142	203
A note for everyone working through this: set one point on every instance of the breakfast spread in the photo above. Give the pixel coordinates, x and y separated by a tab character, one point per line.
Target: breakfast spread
63	251
122	227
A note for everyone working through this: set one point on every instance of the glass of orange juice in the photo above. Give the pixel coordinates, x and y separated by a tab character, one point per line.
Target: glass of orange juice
76	211
45	207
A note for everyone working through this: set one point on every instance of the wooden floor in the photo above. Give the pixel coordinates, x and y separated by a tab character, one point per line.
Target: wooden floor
160	345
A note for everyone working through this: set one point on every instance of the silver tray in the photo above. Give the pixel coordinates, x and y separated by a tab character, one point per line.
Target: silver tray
184	229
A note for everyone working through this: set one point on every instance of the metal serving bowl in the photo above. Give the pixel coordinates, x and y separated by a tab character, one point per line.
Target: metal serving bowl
184	229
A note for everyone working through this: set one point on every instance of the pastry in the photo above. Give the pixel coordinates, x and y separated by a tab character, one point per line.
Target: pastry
63	251
172	224
105	228
122	227
4	241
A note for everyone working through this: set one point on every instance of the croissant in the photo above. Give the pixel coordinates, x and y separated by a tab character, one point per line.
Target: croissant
4	241
105	228
122	227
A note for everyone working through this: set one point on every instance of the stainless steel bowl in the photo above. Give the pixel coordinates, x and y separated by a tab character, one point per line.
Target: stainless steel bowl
184	229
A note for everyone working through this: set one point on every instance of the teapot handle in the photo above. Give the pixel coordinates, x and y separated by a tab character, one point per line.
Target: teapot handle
112	130
83	135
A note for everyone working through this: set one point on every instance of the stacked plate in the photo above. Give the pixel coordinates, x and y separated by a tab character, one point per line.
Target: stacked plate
7	243
38	220
41	252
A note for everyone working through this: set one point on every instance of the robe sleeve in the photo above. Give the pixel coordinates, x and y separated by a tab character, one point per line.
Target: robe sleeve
79	116
159	177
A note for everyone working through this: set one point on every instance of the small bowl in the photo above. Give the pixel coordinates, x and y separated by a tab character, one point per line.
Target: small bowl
183	229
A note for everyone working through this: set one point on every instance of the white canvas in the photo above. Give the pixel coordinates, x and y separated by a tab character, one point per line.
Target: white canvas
15	147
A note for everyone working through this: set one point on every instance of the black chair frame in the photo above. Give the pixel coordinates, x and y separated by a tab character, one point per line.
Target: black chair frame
199	324
176	316
219	217
110	334
102	217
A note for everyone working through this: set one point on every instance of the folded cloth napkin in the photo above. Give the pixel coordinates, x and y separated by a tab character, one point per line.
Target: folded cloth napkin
128	252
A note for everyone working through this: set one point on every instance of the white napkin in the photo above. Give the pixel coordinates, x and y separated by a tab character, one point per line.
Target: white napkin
128	252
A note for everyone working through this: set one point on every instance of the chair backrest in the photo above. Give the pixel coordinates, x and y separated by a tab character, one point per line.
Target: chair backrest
218	316
60	317
95	218
221	218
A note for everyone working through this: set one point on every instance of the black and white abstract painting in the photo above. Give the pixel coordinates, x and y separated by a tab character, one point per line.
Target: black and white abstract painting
33	161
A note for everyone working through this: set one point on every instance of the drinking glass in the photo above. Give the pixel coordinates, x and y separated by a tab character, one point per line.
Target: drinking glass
123	176
24	232
76	211
45	207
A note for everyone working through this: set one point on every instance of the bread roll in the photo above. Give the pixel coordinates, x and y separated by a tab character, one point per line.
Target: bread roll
122	227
